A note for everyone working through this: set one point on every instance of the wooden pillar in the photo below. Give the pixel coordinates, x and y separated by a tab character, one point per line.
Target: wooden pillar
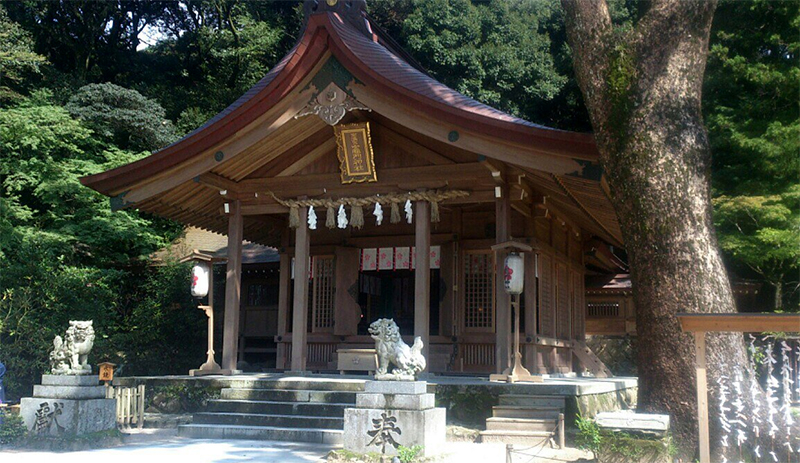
284	282
302	245
530	355
502	300
422	275
702	395
233	286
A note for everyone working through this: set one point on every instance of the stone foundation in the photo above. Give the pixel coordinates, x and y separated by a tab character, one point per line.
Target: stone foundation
396	411
68	405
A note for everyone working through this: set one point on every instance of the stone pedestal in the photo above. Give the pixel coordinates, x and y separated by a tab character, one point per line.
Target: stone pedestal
399	411
68	405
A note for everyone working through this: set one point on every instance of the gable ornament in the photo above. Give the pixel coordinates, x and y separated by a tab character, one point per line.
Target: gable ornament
331	105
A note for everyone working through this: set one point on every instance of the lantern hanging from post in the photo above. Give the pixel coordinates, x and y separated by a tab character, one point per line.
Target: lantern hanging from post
200	279
514	274
202	286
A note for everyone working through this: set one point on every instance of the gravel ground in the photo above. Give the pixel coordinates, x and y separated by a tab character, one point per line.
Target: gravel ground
156	445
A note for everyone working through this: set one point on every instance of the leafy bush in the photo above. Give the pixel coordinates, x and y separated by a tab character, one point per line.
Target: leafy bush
620	447
12	428
408	454
122	116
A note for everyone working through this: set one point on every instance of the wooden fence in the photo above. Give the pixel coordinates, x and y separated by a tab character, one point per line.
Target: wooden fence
130	405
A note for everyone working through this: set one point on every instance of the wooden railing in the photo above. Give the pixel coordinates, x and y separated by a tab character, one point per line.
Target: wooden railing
130	405
319	355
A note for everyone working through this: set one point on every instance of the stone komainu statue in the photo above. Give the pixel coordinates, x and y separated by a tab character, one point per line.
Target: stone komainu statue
391	350
70	355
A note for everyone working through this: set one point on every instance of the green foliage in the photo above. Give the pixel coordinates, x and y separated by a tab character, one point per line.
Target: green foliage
466	405
588	437
18	61
214	52
408	454
618	447
122	116
175	398
751	92
64	254
12	428
496	52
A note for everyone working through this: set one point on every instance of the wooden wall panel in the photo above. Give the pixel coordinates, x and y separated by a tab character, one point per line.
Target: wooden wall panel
542	228
578	306
547	319
559	239
563	306
347	312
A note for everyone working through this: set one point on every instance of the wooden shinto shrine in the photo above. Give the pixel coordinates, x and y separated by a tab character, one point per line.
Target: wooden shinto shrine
348	120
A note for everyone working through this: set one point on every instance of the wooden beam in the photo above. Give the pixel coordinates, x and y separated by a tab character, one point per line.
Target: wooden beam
522	207
217	182
264	209
284	185
740	322
496	168
396	240
300	309
233	283
482	196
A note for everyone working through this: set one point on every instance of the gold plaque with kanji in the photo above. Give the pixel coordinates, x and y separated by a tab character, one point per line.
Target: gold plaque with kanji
357	161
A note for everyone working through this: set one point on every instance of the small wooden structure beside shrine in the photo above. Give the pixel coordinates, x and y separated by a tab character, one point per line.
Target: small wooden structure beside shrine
384	191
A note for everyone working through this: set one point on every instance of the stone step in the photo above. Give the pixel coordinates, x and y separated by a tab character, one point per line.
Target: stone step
316	384
277	408
519	411
521	424
529	438
533	401
269	420
212	431
283	395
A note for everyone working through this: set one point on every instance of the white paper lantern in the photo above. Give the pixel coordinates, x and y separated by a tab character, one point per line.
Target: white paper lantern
200	273
514	274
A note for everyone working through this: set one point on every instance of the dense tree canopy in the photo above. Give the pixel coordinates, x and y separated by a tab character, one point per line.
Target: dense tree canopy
17	59
752	91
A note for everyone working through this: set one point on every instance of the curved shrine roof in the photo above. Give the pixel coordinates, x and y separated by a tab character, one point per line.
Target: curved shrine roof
374	61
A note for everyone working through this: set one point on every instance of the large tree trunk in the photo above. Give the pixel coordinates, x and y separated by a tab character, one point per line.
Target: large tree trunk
642	88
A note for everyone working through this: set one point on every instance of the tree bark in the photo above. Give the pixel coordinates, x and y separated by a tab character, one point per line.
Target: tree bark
642	88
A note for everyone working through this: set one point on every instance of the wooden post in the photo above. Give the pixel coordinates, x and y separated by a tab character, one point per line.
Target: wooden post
300	310
531	356
233	285
702	395
422	275
502	300
284	281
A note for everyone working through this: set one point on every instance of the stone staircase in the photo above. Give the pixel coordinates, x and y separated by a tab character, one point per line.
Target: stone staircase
526	420
298	410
